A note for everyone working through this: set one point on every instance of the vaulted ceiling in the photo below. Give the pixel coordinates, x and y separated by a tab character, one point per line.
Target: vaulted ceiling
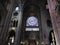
4	3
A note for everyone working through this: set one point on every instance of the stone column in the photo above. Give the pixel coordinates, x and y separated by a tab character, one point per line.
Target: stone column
17	37
7	21
55	19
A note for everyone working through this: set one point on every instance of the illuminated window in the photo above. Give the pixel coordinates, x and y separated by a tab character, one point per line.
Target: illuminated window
32	21
32	24
32	29
17	8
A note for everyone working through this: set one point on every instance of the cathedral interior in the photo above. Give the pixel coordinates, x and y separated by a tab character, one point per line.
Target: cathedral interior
29	22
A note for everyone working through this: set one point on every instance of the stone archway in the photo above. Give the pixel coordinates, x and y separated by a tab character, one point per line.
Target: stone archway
52	40
11	37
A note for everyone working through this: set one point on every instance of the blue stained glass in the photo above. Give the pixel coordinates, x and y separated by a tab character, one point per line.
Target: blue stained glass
32	21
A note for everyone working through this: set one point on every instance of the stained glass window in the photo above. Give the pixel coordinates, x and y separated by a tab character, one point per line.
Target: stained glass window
32	21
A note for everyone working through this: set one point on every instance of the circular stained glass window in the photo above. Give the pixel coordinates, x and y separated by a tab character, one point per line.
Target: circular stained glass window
32	21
